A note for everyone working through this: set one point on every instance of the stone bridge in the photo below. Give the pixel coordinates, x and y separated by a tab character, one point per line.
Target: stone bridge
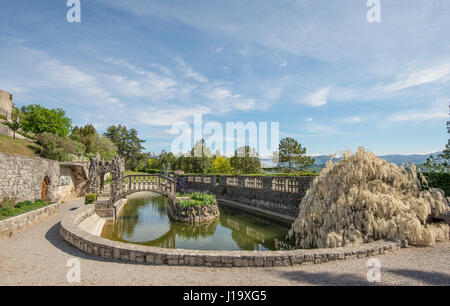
121	188
136	183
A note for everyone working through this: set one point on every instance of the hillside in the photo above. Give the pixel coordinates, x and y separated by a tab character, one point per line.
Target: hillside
18	146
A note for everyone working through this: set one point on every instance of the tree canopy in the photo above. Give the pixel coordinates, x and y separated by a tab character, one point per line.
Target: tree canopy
292	156
37	119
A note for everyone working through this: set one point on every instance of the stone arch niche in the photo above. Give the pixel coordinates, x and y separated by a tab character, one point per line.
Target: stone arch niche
98	168
45	188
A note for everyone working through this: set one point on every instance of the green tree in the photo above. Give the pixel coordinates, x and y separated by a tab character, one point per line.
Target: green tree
128	144
93	142
15	123
59	148
292	156
222	165
38	119
440	162
245	161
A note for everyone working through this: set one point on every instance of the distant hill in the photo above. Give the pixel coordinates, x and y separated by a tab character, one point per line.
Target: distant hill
397	159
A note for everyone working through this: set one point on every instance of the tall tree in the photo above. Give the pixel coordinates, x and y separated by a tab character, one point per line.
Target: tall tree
245	161
292	156
128	144
38	119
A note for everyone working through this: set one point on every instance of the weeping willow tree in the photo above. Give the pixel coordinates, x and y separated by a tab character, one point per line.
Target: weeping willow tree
363	198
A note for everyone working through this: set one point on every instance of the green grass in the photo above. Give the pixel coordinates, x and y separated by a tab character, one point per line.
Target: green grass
21	208
198	199
18	146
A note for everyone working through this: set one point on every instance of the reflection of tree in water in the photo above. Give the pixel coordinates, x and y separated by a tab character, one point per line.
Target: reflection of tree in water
250	232
195	231
130	215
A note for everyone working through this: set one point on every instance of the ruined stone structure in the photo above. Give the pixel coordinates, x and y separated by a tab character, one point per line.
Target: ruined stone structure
6	104
270	193
98	168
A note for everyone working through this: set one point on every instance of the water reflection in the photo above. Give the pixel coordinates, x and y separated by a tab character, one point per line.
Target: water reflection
144	221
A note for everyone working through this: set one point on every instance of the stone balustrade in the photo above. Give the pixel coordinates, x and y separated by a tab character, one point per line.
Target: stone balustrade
280	194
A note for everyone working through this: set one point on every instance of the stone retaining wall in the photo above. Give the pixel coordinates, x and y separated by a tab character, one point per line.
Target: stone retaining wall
113	250
280	194
17	224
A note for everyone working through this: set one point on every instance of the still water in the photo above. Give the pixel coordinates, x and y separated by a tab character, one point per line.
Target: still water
144	220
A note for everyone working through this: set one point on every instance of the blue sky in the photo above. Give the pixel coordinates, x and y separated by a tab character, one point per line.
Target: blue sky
331	79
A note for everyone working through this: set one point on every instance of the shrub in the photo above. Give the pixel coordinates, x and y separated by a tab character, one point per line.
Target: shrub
198	199
90	198
439	180
59	148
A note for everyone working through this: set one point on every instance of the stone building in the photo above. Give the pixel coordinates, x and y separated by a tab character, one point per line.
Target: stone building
6	104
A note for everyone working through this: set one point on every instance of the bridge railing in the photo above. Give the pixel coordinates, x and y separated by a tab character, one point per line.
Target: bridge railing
143	182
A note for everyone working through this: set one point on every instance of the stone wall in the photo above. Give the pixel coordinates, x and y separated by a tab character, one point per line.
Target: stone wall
15	225
113	250
21	178
273	193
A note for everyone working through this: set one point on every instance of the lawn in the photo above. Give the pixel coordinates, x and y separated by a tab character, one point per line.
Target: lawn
18	146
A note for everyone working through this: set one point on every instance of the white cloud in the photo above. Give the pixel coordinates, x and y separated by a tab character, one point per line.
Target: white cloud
218	50
437	110
191	73
318	98
434	74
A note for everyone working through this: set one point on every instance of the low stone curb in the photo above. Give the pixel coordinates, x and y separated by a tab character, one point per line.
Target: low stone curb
113	250
17	224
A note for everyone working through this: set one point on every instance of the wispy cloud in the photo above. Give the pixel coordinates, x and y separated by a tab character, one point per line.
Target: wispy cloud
317	98
437	73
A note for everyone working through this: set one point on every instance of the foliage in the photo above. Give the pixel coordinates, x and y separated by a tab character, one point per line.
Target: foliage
61	149
129	145
441	162
20	208
198	199
439	180
245	161
93	142
38	119
90	198
15	123
222	165
292	156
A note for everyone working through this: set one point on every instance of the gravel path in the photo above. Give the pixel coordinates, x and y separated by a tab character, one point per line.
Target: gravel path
39	256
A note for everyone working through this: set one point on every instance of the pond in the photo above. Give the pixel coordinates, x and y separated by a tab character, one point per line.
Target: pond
144	221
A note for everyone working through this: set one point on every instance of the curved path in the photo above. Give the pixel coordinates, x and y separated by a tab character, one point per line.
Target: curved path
38	256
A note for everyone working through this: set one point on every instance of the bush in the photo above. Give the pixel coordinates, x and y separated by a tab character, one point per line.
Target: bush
198	199
439	180
90	198
59	148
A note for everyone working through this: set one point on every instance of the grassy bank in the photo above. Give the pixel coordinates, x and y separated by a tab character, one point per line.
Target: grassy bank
18	146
